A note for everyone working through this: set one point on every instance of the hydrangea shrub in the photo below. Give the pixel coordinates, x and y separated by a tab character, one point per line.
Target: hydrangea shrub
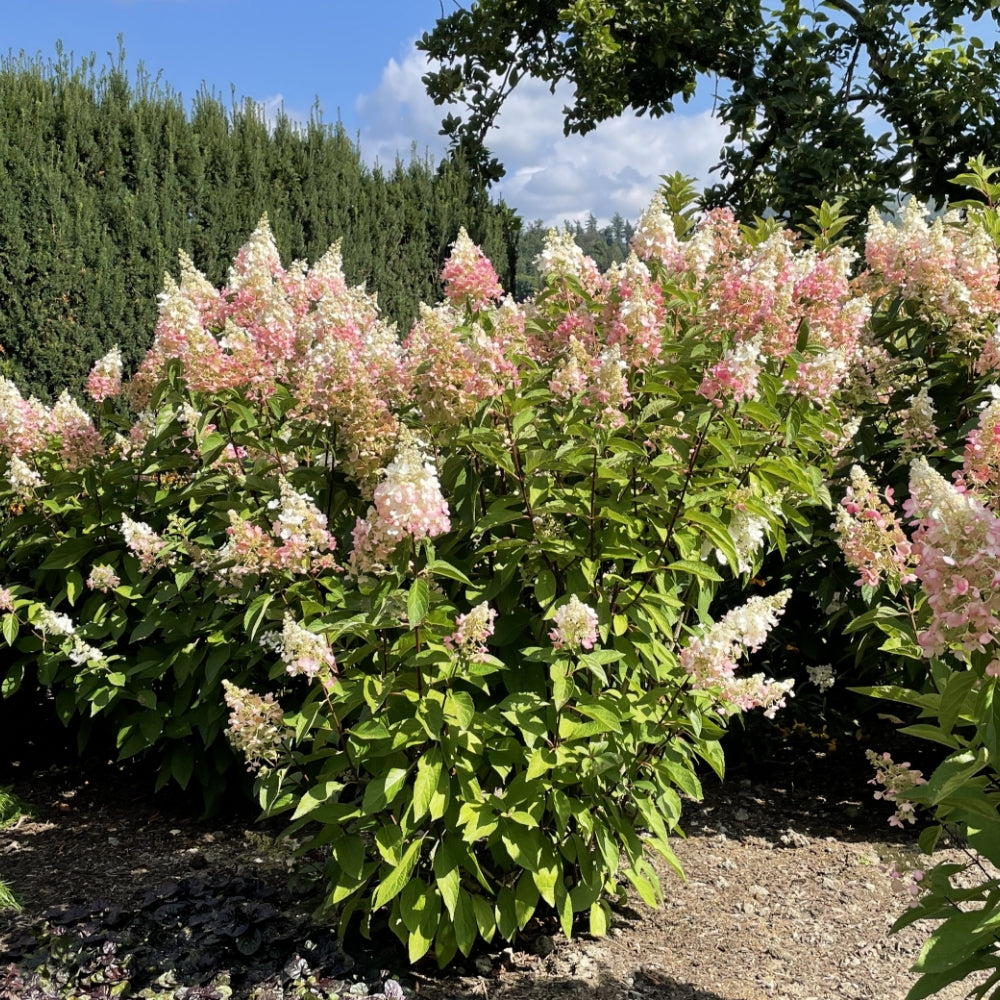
472	602
919	525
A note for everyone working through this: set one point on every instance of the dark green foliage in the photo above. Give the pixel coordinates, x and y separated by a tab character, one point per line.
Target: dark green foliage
104	178
202	937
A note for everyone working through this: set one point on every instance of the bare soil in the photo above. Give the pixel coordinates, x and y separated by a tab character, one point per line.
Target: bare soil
786	897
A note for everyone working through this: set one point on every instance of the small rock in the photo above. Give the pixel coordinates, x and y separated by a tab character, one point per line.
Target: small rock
483	965
792	838
543	945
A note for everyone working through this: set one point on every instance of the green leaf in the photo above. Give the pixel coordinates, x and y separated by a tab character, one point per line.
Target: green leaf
563	687
425	911
389	841
525	844
417	602
957	698
382	789
506	914
950	775
256	613
545	588
316	796
349	852
929	838
426	781
644	887
701	570
12	680
394	883
525	900
932	733
545	882
146	698
564	908
69	553
988	714
957	939
485	918
445	944
438	567
182	764
466	923
460	708
598	919
10	628
447	873
600	713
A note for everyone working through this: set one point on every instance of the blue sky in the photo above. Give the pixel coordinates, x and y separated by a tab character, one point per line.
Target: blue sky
356	57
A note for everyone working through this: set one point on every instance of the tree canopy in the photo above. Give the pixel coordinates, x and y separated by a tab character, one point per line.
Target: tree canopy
843	98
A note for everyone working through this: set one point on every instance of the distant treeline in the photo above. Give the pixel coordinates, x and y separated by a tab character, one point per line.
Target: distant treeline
607	245
103	178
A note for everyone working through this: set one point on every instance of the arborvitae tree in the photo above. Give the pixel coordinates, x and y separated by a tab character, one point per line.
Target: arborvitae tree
103	180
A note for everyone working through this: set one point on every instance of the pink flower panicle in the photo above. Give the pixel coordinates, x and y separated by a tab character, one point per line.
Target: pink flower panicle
105	378
248	551
635	316
6	599
256	726
453	366
305	544
144	543
408	505
981	460
766	295
299	541
51	623
870	536
468	641
956	547
23	479
747	528
908	881
576	626
302	327
600	382
79	441
23	422
734	376
409	499
947	273
895	778
468	276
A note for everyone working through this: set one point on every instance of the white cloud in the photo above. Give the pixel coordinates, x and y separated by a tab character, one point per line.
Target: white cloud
615	168
271	107
398	115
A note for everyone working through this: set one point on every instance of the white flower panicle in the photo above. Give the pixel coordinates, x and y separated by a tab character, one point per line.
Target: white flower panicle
305	653
576	626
